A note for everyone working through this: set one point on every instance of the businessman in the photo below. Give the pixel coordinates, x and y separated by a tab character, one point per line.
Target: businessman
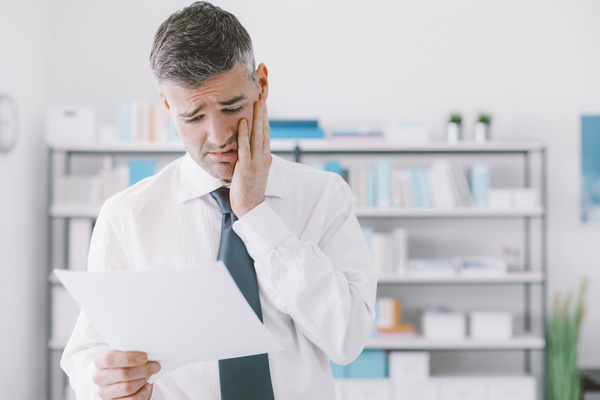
286	232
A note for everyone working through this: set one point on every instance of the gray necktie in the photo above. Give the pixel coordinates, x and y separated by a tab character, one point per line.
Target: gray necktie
249	377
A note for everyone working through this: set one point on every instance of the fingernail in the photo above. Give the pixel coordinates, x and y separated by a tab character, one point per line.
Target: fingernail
141	358
245	124
157	368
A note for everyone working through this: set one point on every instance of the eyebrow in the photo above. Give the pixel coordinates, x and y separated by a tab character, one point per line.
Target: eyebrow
222	103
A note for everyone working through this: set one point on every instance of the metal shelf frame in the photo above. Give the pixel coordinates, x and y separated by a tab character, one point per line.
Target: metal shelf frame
298	149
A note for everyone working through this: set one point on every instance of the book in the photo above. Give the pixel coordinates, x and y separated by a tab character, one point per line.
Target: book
480	184
383	173
296	129
140	169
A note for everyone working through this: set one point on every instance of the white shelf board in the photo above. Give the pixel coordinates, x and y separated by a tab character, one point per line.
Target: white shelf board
419	343
147	147
451	213
375	146
509	278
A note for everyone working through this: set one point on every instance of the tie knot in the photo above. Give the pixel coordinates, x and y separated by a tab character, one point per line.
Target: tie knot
221	195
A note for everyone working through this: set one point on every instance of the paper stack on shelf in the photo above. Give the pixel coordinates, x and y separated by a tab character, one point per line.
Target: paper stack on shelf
432	267
359	132
482	266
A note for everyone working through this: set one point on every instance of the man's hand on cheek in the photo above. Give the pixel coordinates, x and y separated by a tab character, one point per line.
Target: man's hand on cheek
254	160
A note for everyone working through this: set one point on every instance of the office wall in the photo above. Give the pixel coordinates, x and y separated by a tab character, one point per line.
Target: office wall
533	64
24	28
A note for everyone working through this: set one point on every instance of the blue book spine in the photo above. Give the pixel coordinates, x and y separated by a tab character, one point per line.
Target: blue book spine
140	169
297	133
383	168
334	166
416	188
293	123
371	188
480	184
125	121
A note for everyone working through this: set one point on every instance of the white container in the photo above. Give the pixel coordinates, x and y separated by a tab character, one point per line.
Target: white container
444	325
500	199
513	388
463	389
491	325
362	389
526	198
409	367
71	124
426	390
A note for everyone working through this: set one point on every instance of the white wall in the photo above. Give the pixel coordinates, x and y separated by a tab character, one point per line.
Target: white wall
23	74
533	64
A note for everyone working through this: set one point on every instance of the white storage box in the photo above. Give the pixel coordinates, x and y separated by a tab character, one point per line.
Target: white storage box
463	389
362	389
408	367
444	325
512	388
426	390
71	124
491	325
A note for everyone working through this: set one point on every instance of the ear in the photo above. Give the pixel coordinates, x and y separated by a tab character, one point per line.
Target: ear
164	99
262	79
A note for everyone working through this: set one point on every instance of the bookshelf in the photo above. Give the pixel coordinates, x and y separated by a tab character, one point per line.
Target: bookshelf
526	278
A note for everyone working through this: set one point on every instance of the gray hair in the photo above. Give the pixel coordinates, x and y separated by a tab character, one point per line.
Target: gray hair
198	43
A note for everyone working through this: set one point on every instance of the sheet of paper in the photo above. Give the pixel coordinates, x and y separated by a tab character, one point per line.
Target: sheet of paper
177	316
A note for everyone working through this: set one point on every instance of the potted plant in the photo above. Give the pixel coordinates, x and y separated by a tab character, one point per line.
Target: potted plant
482	128
563	379
454	128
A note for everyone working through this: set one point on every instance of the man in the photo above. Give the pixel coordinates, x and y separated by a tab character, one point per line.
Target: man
314	284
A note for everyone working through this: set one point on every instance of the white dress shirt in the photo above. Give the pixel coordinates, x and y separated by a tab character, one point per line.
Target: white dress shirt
316	280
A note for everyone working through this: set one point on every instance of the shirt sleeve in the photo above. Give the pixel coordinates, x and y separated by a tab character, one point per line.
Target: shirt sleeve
329	287
78	359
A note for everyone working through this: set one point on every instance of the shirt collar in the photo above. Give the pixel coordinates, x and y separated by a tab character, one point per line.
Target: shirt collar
195	182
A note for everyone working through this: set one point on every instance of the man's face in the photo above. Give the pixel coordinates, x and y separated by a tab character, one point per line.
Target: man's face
207	118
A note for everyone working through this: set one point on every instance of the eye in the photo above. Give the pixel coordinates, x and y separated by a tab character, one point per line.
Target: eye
233	110
192	120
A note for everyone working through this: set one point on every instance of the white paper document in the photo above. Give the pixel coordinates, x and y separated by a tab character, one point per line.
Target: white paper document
177	316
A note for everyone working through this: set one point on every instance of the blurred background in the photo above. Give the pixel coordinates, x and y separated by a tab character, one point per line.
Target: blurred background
533	65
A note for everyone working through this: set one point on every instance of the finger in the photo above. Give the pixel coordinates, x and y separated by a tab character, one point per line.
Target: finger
257	136
243	142
121	359
266	131
105	377
122	389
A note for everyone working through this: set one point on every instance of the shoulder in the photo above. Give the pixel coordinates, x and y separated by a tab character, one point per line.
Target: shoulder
147	193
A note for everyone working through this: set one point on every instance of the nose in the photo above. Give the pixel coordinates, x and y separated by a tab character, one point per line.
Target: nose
219	130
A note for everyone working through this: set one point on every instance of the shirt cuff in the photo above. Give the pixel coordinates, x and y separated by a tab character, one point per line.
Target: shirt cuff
261	230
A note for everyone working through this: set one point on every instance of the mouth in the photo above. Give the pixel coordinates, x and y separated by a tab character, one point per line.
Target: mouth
226	155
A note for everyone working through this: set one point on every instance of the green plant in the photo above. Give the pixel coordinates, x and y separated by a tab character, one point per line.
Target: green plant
485	118
456	118
563	380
